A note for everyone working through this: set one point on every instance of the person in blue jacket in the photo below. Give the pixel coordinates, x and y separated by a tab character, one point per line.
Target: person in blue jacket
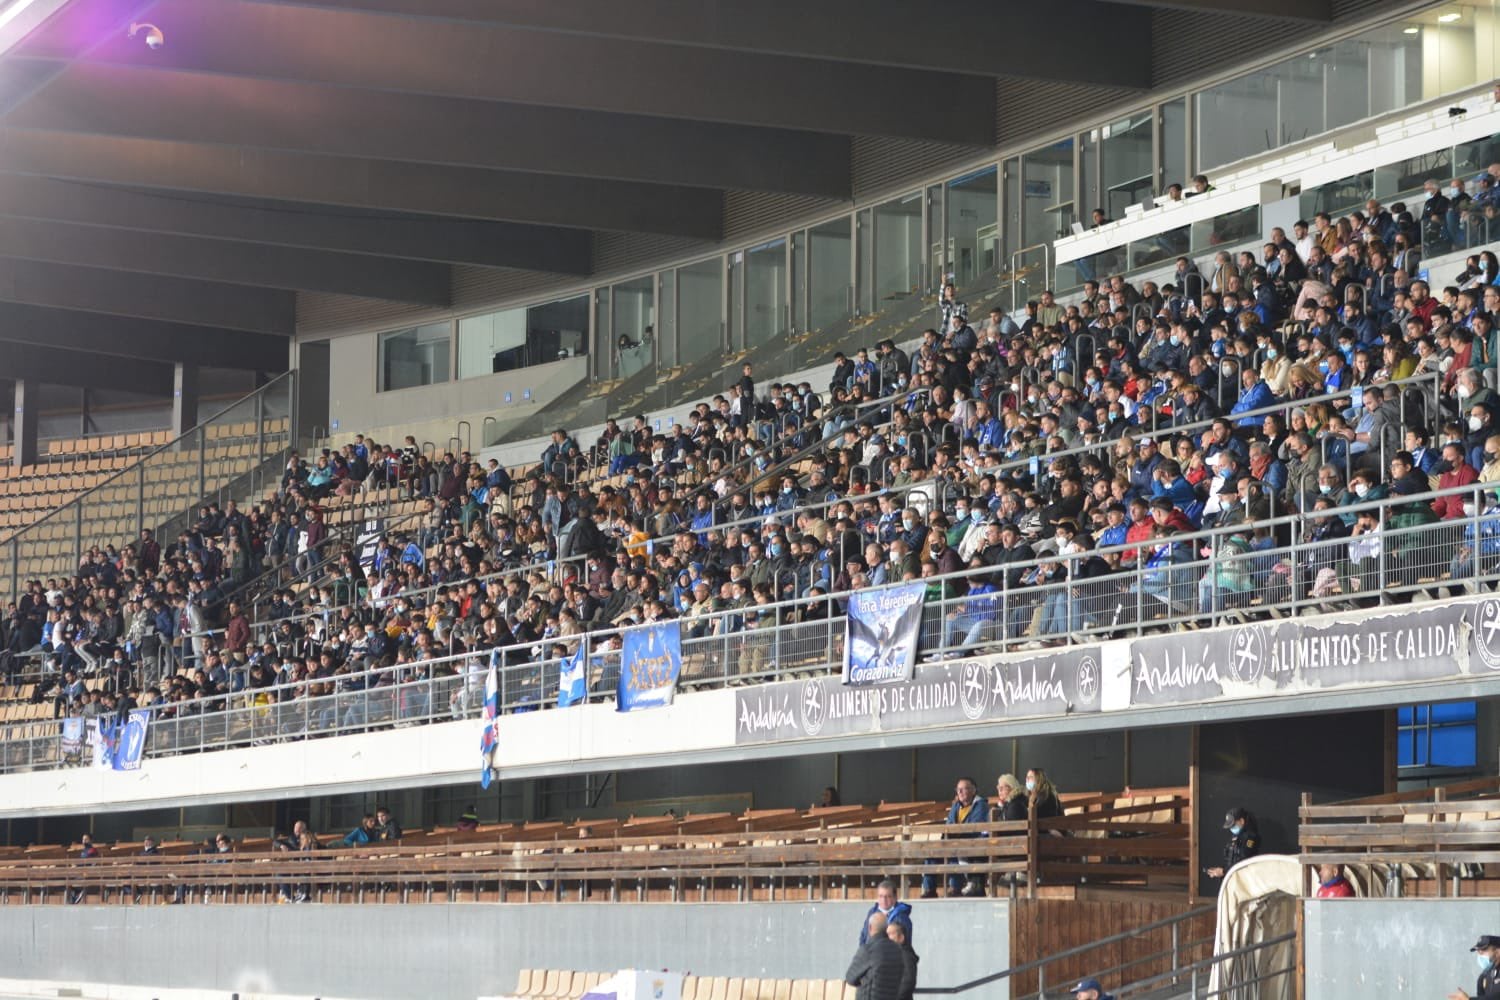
968	807
1255	395
896	912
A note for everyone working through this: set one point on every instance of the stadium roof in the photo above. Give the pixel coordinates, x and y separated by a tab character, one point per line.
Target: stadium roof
185	196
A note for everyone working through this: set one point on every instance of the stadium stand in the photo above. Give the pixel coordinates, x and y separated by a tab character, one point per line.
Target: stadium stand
1138	839
1314	428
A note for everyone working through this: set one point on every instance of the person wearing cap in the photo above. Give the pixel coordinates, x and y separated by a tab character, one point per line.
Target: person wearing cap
1089	989
1487	957
1244	840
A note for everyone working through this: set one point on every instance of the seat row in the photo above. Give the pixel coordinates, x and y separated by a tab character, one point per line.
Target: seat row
562	984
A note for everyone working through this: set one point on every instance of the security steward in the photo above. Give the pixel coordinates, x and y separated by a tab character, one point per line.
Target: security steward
1244	840
1487	957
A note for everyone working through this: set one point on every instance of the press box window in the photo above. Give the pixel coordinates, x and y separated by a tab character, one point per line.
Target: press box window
1440	735
418	356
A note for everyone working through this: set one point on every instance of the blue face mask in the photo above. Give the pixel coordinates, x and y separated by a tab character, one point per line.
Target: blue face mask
1484	962
1323	367
1236	829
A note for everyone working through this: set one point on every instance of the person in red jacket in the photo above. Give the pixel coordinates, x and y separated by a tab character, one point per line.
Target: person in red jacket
1332	884
1460	473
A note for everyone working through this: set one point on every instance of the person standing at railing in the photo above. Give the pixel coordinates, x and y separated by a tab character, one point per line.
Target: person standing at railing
895	912
1089	989
1487	957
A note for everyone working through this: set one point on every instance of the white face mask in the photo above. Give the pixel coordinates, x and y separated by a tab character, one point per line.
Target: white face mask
1475	423
1361	489
1469	509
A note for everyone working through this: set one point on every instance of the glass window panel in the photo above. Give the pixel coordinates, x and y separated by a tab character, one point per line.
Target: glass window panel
1403	180
1165	246
1299	96
633	325
799	280
602	330
1403	715
1011	230
1047	193
736	296
1449	59
829	287
1125	163
666	325
974	225
418	356
1395	59
700	297
1452	746
765	293
1227	230
1406	749
1473	158
1453	711
1088	174
942	261
494	342
1421	715
1337	197
1235	120
1348	82
864	260
898	249
1174	143
557	330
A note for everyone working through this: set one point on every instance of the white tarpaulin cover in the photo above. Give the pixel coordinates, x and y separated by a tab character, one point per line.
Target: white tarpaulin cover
1257	902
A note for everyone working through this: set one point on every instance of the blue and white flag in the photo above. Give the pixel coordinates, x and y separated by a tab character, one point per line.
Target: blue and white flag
881	632
573	682
130	741
490	737
650	662
72	738
102	736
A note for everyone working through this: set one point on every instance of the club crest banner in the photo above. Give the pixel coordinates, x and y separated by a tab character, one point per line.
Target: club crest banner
650	663
881	633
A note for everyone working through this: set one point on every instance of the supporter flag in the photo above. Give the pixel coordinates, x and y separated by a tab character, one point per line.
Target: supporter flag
490	737
572	684
130	741
650	662
881	632
72	738
103	735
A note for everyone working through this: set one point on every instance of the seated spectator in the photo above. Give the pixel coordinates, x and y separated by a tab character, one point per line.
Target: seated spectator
968	807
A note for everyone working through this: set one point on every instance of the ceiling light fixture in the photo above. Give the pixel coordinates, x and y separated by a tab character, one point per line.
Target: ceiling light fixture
1411	31
154	38
1449	17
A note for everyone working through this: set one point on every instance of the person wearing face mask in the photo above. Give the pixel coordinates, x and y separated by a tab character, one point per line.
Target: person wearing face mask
1244	840
1479	429
1486	541
1487	958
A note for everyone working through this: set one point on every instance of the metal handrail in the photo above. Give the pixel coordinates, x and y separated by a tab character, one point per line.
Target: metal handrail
1217	959
770	473
1275	409
197	436
1039	963
528	680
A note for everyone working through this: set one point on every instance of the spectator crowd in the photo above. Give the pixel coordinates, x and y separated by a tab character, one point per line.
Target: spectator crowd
1062	457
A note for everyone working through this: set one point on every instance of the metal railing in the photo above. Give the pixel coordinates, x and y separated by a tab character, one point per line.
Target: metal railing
156	490
1187	579
1174	925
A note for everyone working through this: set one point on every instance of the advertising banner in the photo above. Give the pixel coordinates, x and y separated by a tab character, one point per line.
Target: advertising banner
1413	644
954	692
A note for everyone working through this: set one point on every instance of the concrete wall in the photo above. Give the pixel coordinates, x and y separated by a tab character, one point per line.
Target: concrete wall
1394	947
459	950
